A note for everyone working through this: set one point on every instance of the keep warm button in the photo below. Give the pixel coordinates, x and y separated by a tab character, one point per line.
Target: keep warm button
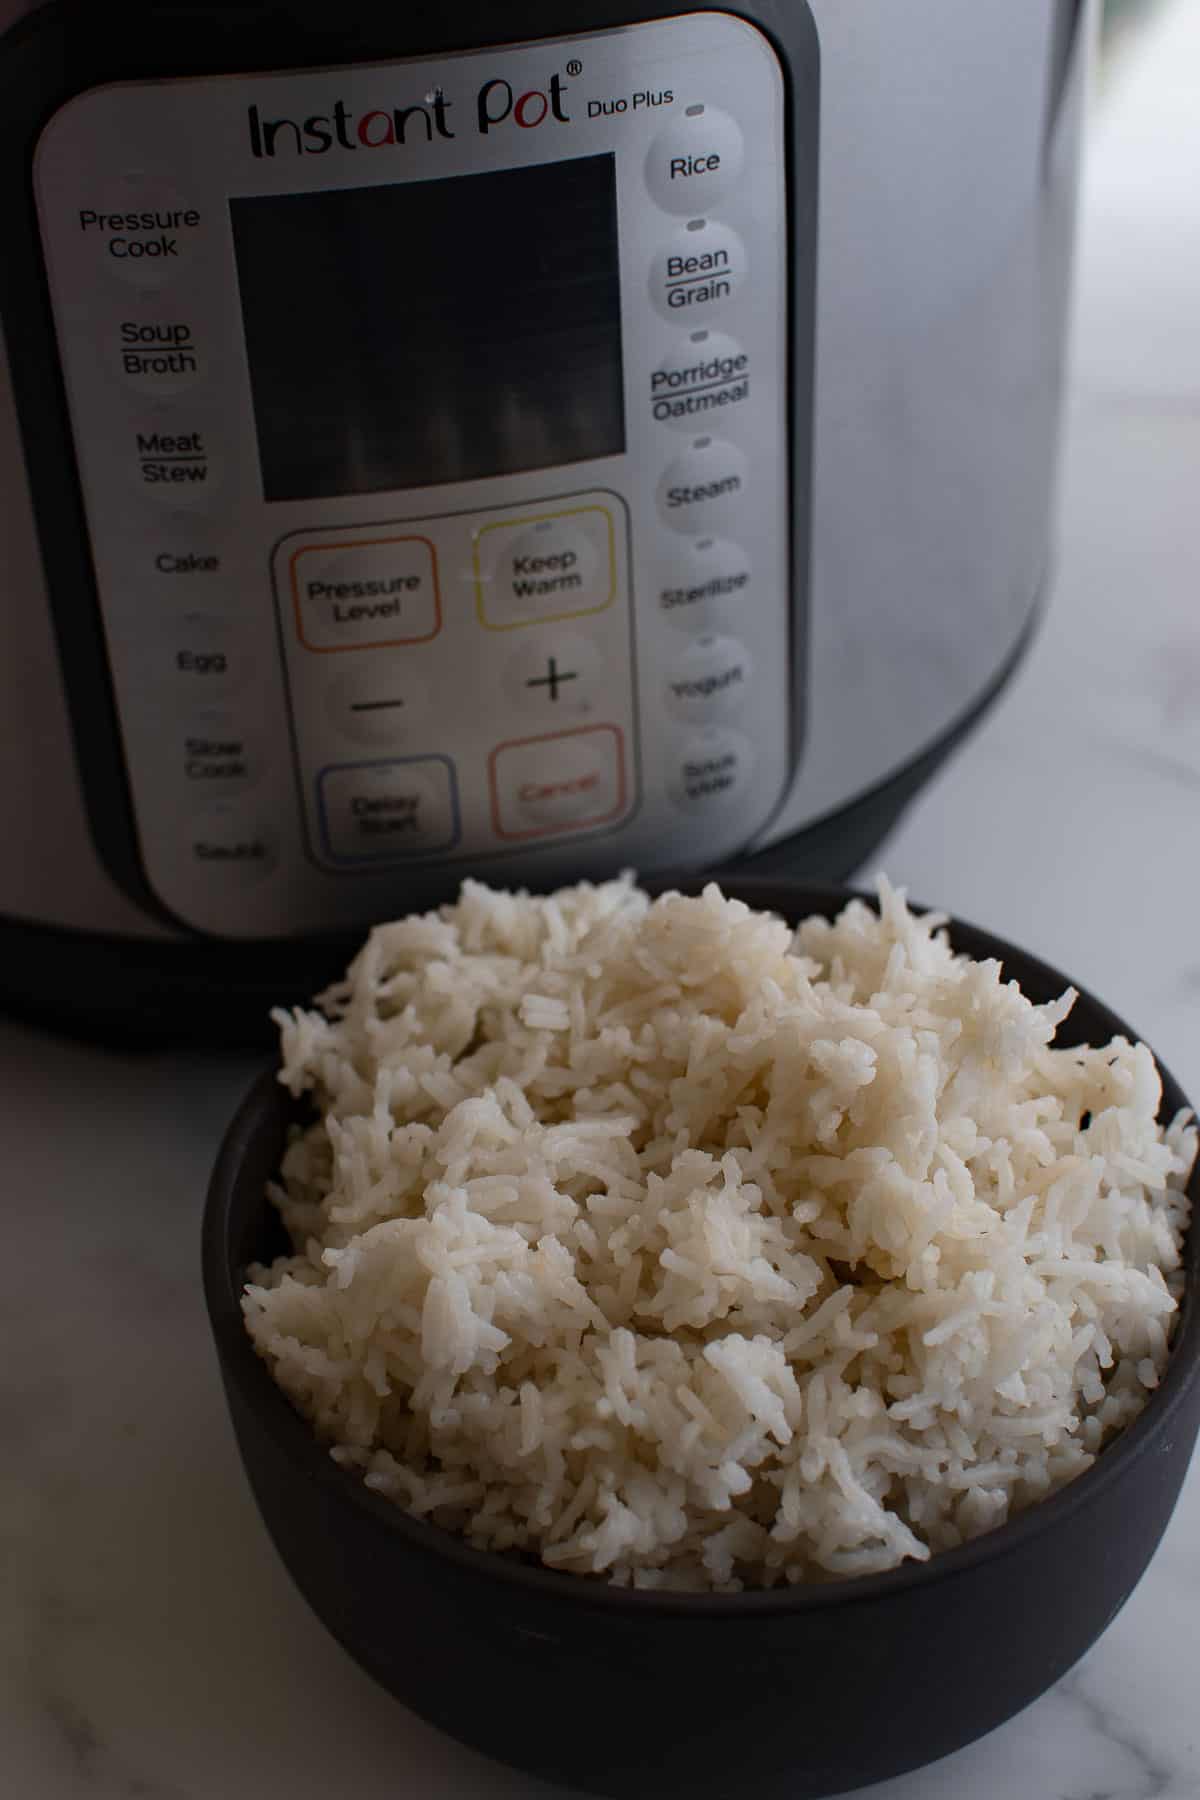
563	781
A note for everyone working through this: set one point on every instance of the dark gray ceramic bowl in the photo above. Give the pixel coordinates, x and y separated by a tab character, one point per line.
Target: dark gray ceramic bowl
796	1693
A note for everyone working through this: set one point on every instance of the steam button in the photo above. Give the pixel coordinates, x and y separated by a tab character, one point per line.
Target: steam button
695	160
701	489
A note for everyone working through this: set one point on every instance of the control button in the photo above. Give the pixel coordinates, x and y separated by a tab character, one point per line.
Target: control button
229	849
156	355
701	488
375	812
355	595
534	570
711	768
219	755
695	160
697	271
566	781
377	702
175	468
708	372
555	678
705	583
709	681
143	230
198	659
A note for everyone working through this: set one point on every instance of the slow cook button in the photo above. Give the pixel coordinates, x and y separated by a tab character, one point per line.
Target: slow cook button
354	595
380	811
701	489
219	755
712	768
377	702
706	373
709	682
531	571
229	849
697	271
706	582
695	160
567	781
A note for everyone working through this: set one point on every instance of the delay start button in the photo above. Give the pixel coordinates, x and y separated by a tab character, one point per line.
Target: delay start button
565	781
695	160
385	811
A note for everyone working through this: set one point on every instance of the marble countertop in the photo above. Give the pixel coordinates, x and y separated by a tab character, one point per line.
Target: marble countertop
150	1643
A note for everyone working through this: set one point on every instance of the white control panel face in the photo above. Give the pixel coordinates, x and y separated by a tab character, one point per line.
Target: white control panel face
431	423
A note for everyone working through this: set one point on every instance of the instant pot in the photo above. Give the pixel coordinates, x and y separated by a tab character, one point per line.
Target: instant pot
434	444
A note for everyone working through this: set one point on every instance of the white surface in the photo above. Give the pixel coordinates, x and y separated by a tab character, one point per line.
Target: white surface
151	1644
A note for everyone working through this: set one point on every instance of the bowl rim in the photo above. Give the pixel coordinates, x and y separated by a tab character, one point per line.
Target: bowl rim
274	1413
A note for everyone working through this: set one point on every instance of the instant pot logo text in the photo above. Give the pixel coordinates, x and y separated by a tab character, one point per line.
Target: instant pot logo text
497	103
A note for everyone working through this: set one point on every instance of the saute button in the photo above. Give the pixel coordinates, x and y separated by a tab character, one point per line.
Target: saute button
701	489
710	680
567	781
695	160
555	677
377	702
712	768
381	811
706	582
698	270
531	570
707	373
359	593
226	847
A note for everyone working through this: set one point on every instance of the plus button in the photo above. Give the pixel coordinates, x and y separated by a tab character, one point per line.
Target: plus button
553	678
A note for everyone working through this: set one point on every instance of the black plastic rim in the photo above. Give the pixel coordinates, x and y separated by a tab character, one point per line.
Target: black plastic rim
262	1109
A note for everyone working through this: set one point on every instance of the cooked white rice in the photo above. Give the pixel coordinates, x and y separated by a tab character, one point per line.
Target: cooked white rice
664	1244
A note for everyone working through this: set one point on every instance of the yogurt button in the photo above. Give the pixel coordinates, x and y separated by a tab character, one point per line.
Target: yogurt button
695	160
712	768
698	270
702	488
704	583
710	680
705	373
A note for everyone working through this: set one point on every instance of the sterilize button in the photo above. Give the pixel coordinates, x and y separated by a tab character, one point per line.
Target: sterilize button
381	811
555	676
695	160
698	271
706	373
566	781
711	769
710	680
704	583
702	489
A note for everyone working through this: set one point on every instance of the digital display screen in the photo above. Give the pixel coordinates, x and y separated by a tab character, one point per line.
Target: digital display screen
433	331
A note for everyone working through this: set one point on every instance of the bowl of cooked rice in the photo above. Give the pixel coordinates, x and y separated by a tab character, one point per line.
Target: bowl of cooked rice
719	1342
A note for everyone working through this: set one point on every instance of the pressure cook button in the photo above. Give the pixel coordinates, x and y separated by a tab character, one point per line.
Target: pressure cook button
176	467
701	489
710	681
142	230
378	702
707	373
566	781
229	849
695	160
219	756
555	677
712	769
357	594
533	570
706	582
382	811
698	271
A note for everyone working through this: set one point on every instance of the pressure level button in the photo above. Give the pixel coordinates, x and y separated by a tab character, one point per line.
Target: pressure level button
695	160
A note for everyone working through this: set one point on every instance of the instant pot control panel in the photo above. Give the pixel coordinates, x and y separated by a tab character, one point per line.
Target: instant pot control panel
432	426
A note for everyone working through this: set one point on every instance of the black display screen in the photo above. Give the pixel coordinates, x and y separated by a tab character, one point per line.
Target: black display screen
433	331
